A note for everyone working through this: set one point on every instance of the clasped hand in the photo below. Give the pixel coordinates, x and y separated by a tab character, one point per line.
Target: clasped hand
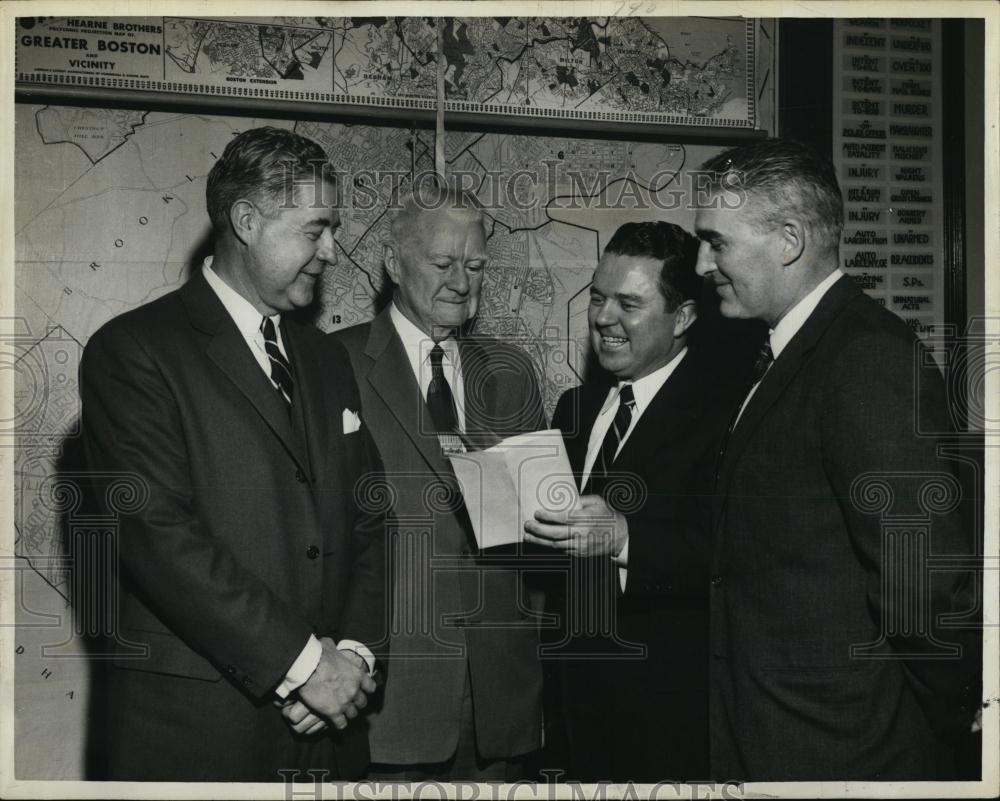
590	528
335	692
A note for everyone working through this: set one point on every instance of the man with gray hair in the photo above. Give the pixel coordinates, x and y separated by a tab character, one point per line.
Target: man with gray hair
463	687
828	655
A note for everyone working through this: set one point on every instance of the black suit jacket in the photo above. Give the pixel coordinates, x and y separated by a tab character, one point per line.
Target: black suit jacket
242	537
820	669
656	690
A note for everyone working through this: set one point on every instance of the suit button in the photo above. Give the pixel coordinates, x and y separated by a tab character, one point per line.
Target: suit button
300	476
230	669
247	681
716	581
312	551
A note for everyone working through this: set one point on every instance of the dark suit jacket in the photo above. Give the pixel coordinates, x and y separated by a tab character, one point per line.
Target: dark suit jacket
803	569
456	612
243	538
655	703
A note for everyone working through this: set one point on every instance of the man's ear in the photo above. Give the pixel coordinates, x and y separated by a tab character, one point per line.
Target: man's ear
686	314
793	241
244	217
391	262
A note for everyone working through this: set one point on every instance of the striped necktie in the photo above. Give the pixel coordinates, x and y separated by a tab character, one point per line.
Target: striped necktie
612	441
281	370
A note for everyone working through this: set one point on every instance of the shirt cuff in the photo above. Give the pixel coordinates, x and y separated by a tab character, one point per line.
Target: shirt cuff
361	650
621	558
622	577
302	668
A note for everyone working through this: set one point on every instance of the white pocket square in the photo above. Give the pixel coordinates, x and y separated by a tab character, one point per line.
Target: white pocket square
352	421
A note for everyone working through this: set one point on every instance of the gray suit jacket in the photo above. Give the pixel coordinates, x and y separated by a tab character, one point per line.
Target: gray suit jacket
456	613
828	660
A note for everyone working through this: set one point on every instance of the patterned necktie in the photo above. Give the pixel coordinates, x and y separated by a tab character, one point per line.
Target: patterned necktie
765	358
440	401
281	370
612	441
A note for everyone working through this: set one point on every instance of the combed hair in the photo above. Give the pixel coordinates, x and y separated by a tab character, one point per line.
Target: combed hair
787	178
666	243
425	196
263	165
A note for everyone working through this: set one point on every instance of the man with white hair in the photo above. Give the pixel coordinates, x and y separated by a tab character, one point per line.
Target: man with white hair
464	685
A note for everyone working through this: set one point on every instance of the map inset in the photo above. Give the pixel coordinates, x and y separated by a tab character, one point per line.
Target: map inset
657	69
240	51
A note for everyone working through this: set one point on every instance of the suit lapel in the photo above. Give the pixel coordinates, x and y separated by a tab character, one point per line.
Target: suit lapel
392	379
228	350
672	408
591	399
784	369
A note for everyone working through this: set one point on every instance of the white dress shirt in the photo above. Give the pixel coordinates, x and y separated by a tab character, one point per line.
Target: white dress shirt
248	320
644	390
418	346
796	317
789	325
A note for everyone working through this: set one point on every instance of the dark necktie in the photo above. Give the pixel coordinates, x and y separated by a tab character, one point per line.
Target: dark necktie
762	364
612	441
281	370
765	358
440	401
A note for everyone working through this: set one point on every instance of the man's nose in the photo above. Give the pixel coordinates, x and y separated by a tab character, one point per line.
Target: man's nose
705	263
605	315
327	249
458	279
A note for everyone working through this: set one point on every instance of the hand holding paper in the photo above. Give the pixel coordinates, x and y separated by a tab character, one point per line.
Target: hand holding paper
590	528
513	481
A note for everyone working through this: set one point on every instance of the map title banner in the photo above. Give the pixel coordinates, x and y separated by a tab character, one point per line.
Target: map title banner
659	70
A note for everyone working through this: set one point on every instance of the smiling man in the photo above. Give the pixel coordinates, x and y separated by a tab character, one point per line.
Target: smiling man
463	687
640	437
244	559
829	659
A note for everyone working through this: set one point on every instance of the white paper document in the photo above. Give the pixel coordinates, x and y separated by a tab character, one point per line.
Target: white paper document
505	485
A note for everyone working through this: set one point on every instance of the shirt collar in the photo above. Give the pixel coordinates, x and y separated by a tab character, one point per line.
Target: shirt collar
246	317
645	388
418	344
790	324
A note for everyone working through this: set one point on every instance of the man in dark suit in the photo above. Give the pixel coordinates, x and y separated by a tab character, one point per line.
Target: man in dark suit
463	687
829	660
244	558
640	439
